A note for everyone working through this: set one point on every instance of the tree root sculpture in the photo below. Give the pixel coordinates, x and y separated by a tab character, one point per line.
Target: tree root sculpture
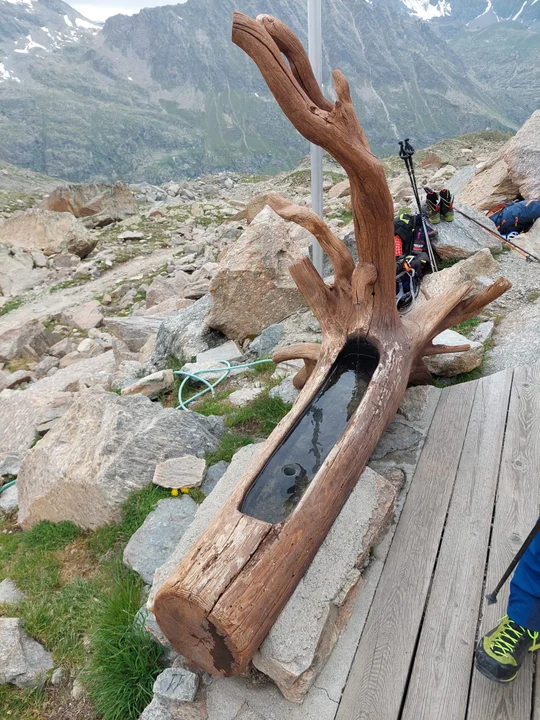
219	604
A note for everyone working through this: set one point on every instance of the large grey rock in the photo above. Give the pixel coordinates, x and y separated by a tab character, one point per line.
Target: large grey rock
301	327
452	364
17	273
51	232
133	331
10	593
23	661
175	686
213	476
157	537
24	413
253	287
104	448
88	372
462	238
511	173
481	269
83	317
185	334
165	288
303	637
522	156
29	340
96	205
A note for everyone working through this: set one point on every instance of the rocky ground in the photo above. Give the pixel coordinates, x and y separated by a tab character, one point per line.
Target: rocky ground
100	308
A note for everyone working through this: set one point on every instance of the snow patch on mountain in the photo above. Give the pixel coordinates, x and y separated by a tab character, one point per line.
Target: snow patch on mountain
426	10
30	45
7	75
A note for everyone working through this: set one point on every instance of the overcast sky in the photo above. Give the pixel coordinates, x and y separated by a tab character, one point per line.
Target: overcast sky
102	9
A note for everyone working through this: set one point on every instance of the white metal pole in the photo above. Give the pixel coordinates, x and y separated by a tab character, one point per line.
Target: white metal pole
315	56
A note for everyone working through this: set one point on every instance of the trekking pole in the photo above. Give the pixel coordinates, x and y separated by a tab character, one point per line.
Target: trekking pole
492	597
406	152
529	256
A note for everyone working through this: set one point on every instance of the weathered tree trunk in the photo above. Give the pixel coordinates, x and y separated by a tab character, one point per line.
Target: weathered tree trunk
221	601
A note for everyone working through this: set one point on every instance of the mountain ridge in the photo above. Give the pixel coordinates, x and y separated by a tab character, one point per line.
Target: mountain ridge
124	103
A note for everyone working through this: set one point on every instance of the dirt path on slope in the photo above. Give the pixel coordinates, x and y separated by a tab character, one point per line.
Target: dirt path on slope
42	303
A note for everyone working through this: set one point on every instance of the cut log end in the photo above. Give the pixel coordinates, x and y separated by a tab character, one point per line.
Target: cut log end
186	625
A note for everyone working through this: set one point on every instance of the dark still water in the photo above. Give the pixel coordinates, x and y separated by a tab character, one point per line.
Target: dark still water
287	475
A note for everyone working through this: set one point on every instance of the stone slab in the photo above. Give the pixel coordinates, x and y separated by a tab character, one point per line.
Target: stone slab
10	593
157	537
182	472
228	351
175	686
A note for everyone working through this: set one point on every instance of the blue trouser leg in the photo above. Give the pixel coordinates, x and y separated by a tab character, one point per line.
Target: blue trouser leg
524	603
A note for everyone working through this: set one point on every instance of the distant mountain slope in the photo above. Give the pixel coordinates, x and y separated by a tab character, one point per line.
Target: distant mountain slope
165	93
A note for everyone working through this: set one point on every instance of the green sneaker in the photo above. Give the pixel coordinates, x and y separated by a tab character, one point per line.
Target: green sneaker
500	654
433	206
447	206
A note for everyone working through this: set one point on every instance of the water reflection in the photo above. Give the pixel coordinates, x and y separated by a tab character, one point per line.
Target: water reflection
287	475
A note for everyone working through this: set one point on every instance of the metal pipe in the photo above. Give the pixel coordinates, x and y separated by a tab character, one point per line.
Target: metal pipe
315	57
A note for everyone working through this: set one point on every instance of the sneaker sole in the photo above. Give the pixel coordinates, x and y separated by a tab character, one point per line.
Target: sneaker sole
487	674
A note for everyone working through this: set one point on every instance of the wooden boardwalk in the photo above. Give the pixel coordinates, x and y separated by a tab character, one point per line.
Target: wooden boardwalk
473	500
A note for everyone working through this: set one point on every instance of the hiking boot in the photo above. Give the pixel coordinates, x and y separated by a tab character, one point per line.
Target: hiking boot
447	205
500	654
433	206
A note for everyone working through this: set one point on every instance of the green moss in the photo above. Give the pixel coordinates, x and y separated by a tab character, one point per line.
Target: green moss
72	282
466	327
12	304
230	443
533	296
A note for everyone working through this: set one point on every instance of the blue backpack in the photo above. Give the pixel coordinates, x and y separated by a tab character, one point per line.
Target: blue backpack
516	217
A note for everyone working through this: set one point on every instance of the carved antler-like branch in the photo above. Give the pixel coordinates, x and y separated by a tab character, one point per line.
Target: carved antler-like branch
336	129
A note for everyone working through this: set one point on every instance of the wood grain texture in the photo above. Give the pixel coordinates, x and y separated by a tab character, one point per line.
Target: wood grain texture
515	514
380	670
222	599
439	684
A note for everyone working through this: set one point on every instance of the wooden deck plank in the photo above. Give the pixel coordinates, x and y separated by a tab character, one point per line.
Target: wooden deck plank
380	670
515	514
439	685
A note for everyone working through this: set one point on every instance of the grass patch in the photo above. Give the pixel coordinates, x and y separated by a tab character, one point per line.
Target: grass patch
447	263
72	282
12	304
230	443
346	216
124	661
533	296
78	592
467	326
259	417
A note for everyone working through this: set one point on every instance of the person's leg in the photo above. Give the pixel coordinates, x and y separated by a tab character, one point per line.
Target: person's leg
501	652
524	603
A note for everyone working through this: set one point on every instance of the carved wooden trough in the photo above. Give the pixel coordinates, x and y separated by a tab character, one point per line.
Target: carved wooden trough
221	601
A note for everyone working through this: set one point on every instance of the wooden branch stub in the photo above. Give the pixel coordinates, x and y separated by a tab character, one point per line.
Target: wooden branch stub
308	352
444	349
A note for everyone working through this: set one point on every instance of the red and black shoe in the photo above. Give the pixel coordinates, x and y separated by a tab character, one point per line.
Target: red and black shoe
447	205
433	206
